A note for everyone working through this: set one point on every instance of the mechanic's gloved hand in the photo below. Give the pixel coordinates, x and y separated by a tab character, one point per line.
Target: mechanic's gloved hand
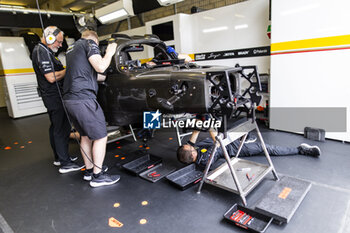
170	50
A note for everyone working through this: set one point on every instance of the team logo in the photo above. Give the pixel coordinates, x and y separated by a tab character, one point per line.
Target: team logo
151	120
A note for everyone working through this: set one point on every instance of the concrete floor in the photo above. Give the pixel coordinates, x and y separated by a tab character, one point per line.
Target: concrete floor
34	197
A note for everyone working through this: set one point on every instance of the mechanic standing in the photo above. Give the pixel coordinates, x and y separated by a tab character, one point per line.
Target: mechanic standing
84	60
50	73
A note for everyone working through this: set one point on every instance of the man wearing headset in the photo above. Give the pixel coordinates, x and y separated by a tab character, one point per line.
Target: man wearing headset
50	73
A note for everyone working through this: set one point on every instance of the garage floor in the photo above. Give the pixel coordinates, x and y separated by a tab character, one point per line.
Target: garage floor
34	197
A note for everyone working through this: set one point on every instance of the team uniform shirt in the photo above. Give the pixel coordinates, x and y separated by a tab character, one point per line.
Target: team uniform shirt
205	147
44	62
81	78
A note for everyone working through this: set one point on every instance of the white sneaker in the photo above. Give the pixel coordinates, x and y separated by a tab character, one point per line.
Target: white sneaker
57	163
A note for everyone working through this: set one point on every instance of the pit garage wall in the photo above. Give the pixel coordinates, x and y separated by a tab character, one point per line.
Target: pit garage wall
18	79
239	27
310	56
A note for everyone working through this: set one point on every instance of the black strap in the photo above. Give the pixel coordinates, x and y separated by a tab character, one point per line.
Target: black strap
55	33
190	143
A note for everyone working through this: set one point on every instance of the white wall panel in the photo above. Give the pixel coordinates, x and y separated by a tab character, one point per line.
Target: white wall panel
19	81
305	19
308	79
240	25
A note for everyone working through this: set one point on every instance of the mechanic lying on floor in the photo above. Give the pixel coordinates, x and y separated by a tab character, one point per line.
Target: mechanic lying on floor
200	152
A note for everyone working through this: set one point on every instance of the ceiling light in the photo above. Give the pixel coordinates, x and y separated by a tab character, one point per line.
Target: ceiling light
112	16
168	2
115	12
11	6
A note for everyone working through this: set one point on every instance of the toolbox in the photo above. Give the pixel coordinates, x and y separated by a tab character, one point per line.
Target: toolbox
185	177
141	164
315	134
247	218
157	172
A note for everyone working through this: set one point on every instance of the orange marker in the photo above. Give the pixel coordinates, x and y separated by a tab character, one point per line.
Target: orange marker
143	221
29	142
15	143
147	148
122	158
170	138
112	222
116	156
8	148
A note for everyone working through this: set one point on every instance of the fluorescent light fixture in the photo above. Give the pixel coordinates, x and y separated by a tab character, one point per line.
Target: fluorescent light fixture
168	2
216	29
11	6
242	26
114	12
112	16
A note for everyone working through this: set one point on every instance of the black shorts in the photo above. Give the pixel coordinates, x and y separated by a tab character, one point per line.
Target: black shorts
87	117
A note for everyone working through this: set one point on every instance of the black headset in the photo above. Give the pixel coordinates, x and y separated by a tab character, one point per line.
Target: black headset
51	38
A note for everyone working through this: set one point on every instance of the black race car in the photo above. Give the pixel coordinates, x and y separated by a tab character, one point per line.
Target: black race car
170	85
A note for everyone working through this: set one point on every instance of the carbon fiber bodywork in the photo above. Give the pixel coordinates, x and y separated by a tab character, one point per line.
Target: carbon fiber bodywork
170	86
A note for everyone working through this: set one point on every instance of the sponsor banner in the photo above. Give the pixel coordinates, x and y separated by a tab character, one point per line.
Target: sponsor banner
237	53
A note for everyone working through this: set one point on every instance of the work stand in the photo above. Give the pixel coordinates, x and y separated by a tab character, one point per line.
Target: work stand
237	175
114	134
179	117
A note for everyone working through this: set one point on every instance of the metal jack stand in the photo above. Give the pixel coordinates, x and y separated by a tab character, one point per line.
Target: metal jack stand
180	136
174	118
243	182
112	137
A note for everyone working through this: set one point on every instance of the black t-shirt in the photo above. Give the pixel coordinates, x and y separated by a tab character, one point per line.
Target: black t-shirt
206	146
81	78
204	149
42	59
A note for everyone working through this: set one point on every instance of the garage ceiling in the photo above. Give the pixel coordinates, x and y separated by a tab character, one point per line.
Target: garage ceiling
73	5
25	3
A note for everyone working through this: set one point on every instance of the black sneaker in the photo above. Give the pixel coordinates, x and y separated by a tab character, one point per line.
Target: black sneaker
88	175
57	163
103	179
73	158
306	149
70	167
